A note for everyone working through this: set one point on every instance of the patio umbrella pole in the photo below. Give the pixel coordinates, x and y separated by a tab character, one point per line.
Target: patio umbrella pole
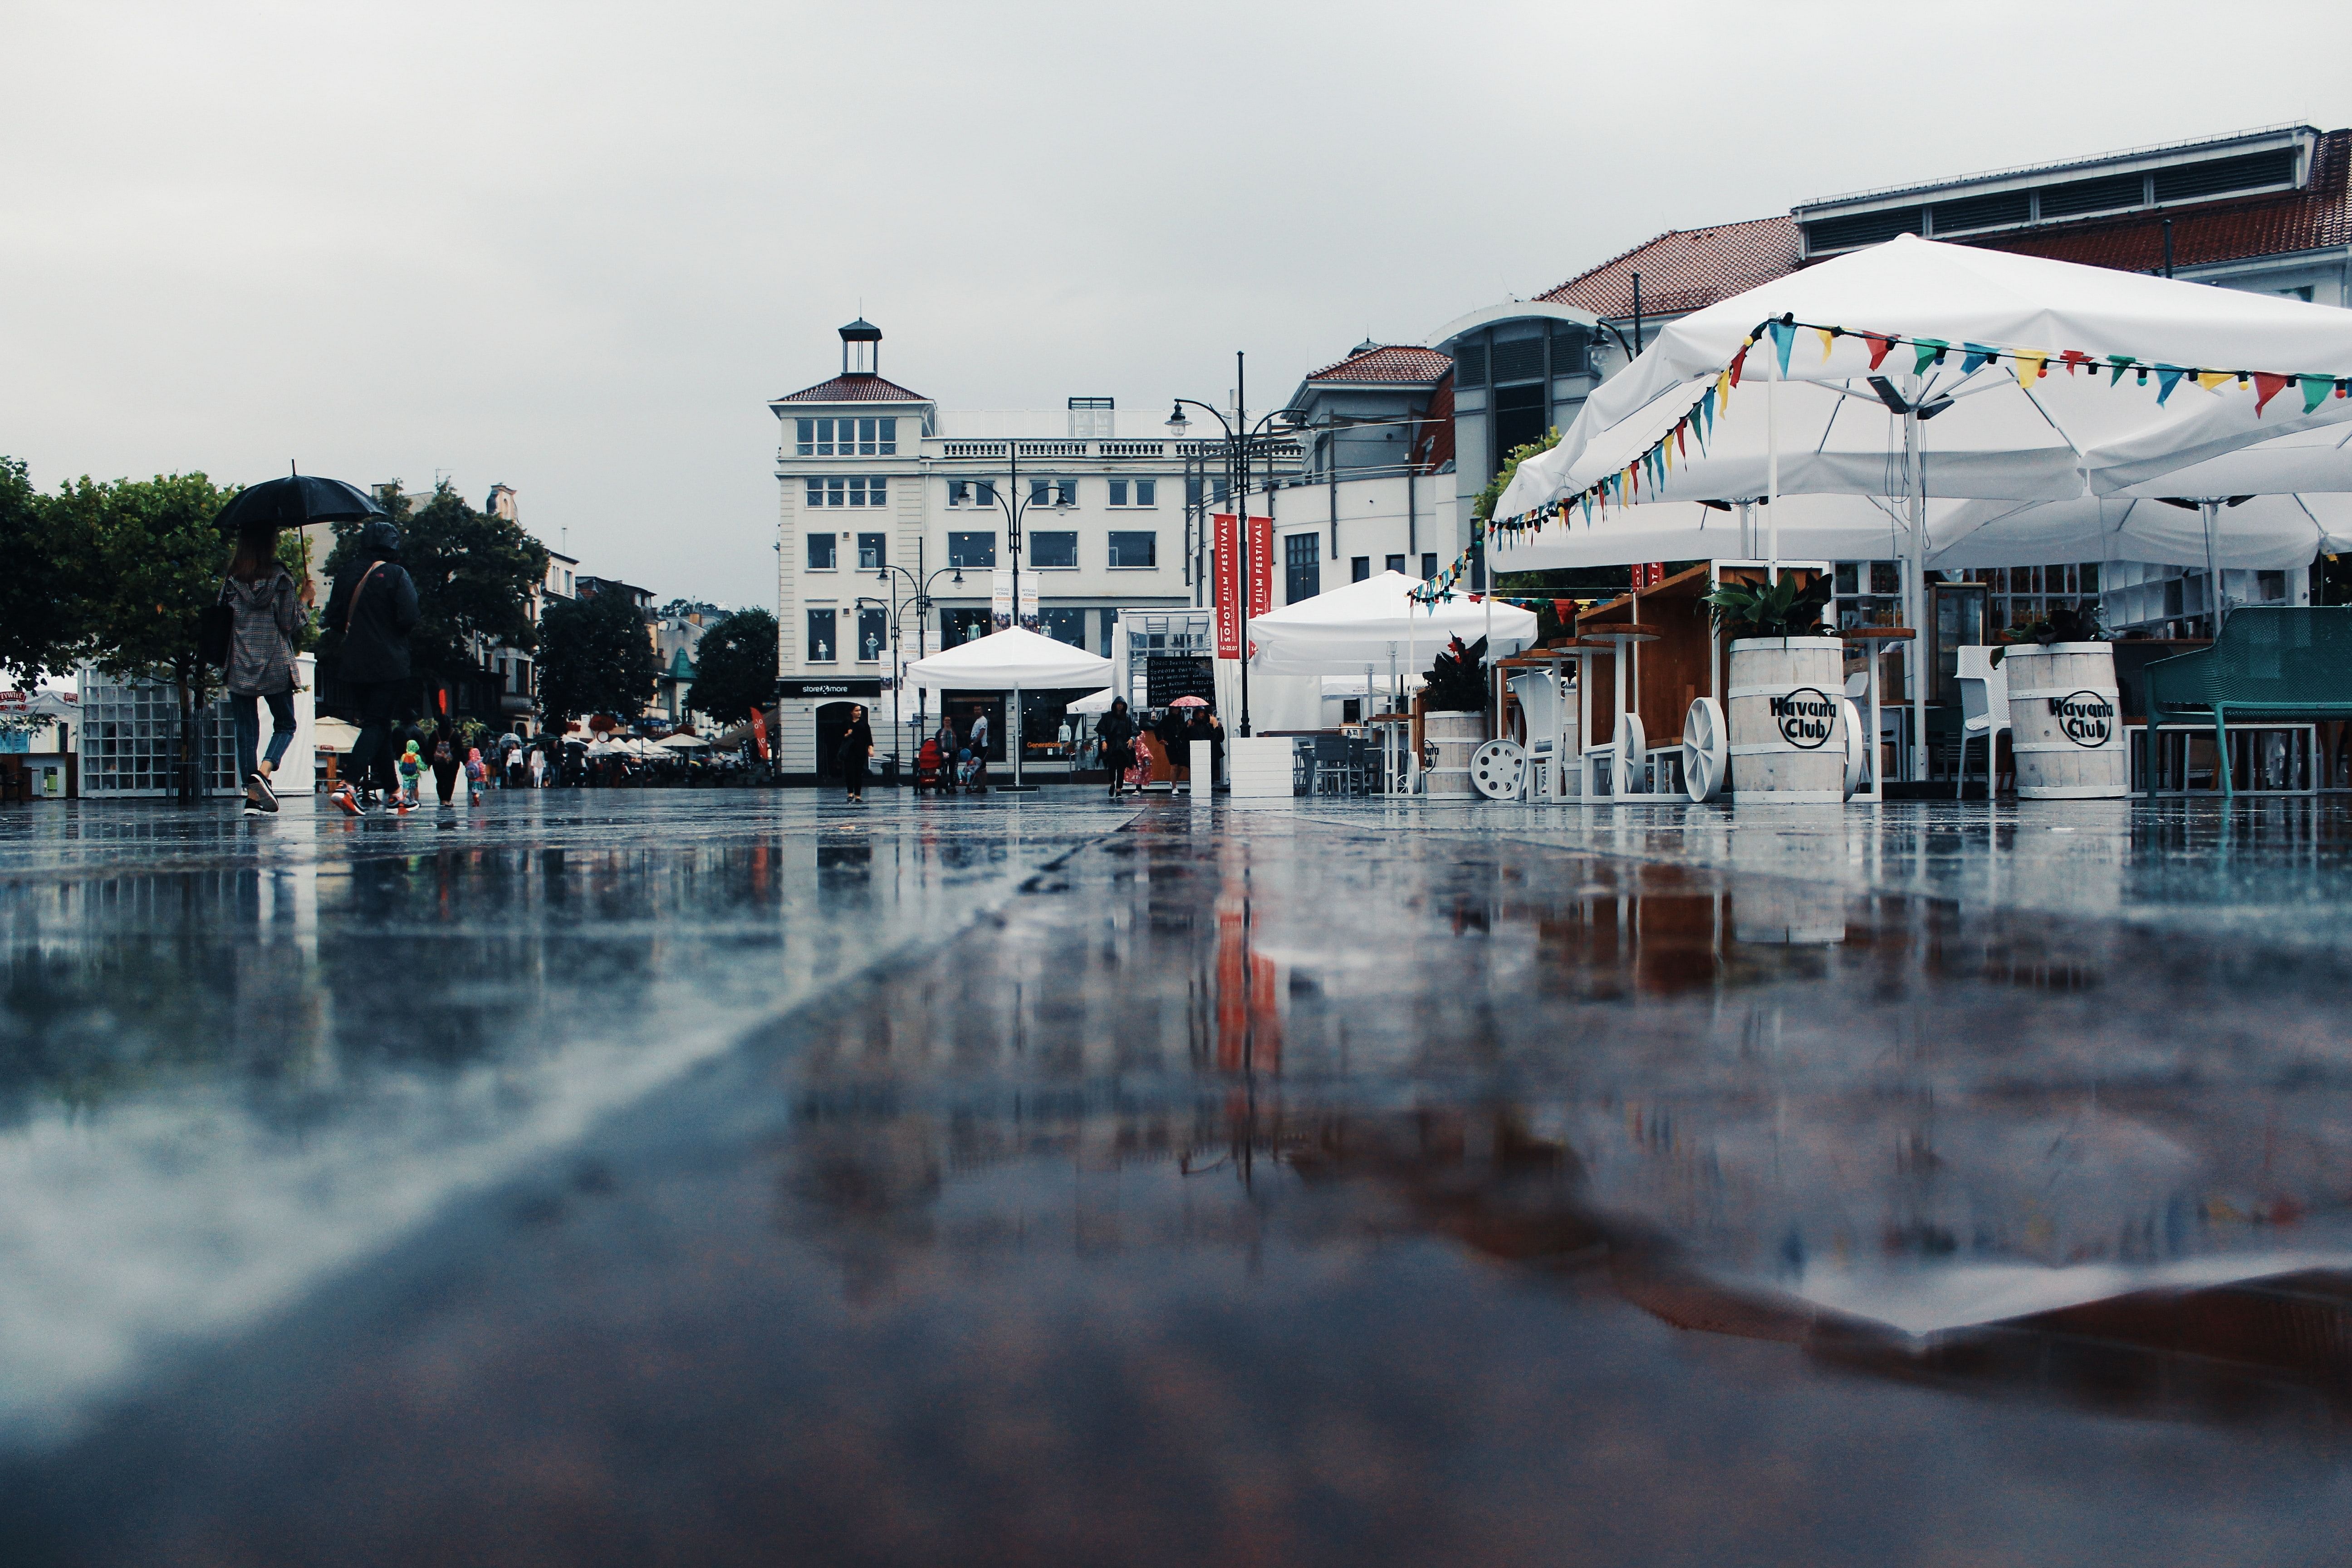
1016	737
2215	600
1914	605
1773	475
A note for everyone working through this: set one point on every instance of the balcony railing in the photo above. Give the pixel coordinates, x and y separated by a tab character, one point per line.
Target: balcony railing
1114	451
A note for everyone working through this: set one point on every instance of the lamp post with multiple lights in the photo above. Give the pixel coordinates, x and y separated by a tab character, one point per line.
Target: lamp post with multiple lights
921	604
1242	441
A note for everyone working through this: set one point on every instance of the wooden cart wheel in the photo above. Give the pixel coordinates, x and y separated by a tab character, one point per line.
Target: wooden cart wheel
1857	746
1499	769
1706	749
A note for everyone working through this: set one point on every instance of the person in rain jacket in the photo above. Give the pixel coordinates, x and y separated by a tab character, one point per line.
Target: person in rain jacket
412	774
373	606
856	751
264	609
478	777
1116	730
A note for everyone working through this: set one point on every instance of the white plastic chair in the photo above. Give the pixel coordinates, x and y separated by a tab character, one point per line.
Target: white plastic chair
1984	710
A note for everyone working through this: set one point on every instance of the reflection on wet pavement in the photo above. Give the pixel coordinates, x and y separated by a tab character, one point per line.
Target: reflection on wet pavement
1267	1185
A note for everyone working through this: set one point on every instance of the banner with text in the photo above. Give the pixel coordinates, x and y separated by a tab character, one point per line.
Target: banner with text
1226	576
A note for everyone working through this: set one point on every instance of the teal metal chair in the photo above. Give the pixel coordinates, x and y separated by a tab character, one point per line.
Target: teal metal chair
2269	663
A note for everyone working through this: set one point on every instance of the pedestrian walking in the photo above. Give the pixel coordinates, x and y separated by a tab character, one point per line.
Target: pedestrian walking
856	751
478	777
264	609
445	763
373	606
537	768
410	773
1116	730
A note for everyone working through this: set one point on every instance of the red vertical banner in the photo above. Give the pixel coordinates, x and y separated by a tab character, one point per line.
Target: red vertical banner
1225	586
1648	574
1261	564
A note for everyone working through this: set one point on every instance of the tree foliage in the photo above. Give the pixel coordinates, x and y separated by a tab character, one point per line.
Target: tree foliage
474	574
594	658
735	665
42	618
1483	507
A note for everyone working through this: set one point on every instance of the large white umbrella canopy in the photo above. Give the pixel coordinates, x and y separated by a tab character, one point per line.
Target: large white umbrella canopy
1092	702
1812	528
1013	658
2047	428
2262	531
683	742
1367	623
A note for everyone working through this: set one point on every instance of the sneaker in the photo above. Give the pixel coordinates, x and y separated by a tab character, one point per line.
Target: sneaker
259	795
251	809
347	800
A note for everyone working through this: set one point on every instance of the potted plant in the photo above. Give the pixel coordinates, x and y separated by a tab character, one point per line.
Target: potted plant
1787	690
1453	715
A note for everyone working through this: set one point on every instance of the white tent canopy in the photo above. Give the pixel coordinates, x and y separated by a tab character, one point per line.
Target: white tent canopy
1369	623
2264	532
1014	658
1092	702
1812	528
683	742
2050	431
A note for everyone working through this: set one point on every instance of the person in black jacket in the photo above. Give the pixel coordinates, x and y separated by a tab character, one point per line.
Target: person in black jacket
1116	730
856	749
374	605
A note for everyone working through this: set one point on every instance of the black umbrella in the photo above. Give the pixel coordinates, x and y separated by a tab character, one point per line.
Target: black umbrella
294	500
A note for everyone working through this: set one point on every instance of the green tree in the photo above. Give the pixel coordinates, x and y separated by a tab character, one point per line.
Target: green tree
594	658
474	574
42	618
151	560
735	665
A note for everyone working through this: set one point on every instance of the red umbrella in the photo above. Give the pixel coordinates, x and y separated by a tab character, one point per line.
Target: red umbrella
1189	702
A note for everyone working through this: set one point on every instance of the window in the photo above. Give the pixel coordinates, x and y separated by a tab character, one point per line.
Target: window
959	626
820	553
971	493
1092	417
1131	550
1396	564
846	438
873	634
969	550
1144	492
1064	625
1053	492
871	556
1053	549
1359	568
1118	493
820	636
1428	564
1302	575
1221	490
1519	418
859	491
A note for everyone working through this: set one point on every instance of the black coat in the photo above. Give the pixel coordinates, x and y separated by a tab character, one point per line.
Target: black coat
855	742
1116	732
376	642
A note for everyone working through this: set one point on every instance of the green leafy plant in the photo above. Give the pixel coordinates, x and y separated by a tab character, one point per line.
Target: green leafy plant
1457	680
1482	507
1787	608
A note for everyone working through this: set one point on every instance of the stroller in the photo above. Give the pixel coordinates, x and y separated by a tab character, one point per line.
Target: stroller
932	772
972	771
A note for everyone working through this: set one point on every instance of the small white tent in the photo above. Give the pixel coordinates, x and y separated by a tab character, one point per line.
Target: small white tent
1374	622
1016	661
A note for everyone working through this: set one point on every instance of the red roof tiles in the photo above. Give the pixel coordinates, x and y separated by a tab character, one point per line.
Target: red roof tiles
1686	268
1390	363
854	389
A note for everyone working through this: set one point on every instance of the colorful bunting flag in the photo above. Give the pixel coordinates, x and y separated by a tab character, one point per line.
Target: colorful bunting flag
1784	338
1974	355
2209	379
2315	391
2032	366
2168	376
1930	352
1828	341
2122	363
1878	347
2266	388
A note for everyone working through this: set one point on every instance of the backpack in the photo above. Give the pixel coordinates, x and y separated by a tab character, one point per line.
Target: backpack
442	753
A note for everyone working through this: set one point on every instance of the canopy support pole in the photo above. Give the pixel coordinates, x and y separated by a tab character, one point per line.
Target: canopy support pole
1772	474
1015	738
1915	581
2216	601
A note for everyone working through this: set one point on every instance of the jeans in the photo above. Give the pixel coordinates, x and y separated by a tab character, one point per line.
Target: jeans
246	711
375	701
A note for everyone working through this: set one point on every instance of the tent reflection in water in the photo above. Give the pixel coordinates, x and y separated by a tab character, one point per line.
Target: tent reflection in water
1009	660
1914	365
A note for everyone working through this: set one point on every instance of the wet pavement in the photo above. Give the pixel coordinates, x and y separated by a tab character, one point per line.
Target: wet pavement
740	1178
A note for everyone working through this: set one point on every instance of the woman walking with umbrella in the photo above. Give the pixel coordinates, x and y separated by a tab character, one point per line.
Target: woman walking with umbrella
265	607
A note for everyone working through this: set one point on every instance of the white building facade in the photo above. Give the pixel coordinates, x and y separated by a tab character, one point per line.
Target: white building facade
886	499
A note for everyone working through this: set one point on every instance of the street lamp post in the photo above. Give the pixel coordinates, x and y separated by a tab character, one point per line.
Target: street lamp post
921	602
1014	510
1241	439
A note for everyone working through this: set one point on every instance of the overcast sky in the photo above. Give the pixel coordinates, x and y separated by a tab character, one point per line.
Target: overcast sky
575	249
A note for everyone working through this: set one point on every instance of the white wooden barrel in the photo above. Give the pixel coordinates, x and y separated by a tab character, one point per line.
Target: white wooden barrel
1787	735
1456	736
2066	722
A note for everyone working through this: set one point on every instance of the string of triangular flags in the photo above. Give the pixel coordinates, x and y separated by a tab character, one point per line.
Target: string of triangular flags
1651	468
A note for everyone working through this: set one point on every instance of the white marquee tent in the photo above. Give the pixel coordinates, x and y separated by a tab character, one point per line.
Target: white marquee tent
1374	622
